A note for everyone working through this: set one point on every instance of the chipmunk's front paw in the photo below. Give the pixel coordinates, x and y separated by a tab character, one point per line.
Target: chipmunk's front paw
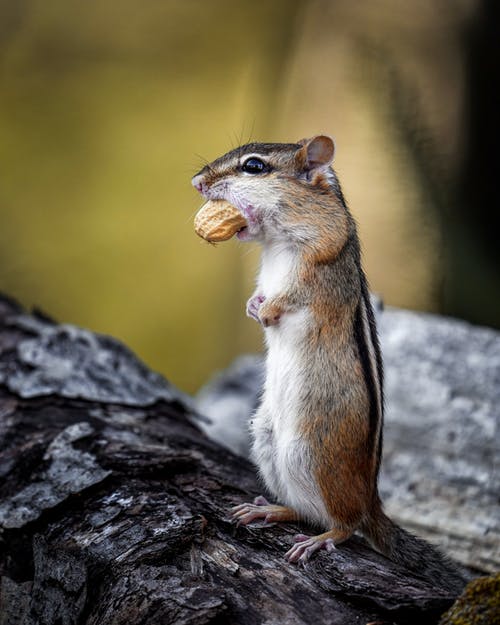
253	306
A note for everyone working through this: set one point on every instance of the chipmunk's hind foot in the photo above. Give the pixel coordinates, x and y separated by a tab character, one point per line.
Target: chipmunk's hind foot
246	513
305	546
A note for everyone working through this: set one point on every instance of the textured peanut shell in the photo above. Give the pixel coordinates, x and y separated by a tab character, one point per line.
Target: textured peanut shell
217	220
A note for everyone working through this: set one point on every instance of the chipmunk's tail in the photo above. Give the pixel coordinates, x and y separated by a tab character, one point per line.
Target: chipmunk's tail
412	552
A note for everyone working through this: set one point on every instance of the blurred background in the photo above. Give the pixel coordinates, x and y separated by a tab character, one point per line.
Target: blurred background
107	108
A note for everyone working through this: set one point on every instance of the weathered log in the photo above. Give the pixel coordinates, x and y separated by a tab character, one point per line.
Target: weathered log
113	506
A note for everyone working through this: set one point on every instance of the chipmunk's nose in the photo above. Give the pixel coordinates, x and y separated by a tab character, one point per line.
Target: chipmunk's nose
198	182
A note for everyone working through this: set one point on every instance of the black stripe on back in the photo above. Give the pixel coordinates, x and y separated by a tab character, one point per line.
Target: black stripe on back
378	359
364	355
374	337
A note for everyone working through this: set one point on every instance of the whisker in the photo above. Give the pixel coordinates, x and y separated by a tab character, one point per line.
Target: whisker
250	137
237	138
230	138
191	217
240	137
248	250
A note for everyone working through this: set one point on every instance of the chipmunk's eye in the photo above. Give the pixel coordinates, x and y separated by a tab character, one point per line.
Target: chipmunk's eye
254	166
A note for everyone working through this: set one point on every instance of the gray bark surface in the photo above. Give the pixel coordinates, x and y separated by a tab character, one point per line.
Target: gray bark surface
114	506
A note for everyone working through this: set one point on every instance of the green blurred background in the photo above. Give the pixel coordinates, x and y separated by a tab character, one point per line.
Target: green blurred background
107	108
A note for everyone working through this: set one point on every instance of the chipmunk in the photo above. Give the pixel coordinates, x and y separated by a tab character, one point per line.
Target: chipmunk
317	435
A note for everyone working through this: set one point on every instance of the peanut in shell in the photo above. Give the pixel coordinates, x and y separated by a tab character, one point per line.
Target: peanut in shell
217	220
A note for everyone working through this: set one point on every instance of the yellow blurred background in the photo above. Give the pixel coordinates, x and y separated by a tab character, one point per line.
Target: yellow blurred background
107	108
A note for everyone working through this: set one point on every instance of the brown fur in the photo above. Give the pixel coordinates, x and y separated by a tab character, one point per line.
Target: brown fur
328	282
340	412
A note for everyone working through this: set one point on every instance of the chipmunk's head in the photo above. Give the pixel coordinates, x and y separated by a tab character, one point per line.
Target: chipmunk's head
269	182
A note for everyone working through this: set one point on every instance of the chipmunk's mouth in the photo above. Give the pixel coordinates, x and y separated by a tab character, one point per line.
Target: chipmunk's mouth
243	234
252	215
254	223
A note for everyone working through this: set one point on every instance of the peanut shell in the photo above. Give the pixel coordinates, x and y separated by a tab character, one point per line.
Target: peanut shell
217	220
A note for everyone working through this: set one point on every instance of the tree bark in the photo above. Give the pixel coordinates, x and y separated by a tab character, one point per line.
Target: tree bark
114	506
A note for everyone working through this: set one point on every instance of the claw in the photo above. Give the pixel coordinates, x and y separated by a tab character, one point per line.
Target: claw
305	546
245	513
239	507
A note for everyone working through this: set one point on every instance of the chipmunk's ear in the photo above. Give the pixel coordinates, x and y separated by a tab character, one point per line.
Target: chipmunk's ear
316	152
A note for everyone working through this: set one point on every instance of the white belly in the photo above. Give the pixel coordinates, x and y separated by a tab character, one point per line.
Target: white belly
292	463
278	265
283	340
284	366
282	453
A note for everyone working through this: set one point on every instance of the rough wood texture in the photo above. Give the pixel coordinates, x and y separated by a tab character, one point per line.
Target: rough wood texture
113	506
